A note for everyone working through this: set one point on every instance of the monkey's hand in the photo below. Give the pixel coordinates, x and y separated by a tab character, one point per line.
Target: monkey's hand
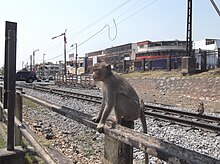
100	128
95	119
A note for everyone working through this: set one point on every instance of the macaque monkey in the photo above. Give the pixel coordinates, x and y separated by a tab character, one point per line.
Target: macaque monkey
117	94
200	108
120	95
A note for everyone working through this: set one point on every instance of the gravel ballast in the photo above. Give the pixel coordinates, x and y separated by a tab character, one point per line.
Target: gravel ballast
83	145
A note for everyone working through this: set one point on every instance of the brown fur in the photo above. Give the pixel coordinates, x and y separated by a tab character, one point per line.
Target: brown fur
117	94
120	95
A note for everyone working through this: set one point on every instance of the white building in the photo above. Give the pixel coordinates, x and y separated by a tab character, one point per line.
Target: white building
212	48
207	44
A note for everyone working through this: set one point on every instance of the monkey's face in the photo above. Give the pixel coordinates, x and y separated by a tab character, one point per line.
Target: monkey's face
101	72
97	74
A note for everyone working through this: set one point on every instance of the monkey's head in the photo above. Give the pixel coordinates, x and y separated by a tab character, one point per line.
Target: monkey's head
201	103
101	71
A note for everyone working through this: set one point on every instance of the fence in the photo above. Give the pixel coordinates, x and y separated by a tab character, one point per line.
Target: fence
20	129
71	79
212	59
117	134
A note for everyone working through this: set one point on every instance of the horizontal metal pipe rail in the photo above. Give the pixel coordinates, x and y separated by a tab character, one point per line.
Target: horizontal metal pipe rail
151	145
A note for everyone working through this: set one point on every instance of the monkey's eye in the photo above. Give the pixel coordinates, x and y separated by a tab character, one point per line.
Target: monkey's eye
95	69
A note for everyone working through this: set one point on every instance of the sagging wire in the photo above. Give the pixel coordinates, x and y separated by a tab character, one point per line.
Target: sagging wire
109	35
109	29
101	31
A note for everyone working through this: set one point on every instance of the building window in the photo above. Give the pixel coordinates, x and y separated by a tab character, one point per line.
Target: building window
141	46
208	42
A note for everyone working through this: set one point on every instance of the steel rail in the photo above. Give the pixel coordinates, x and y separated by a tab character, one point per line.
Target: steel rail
79	94
184	121
165	109
85	97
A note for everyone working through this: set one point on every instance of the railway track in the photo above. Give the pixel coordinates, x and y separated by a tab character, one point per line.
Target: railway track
158	111
183	117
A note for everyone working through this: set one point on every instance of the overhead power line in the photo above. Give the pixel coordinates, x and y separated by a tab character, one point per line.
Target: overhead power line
137	11
108	26
100	19
52	48
100	31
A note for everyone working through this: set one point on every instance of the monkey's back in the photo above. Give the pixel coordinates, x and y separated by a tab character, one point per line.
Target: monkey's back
124	87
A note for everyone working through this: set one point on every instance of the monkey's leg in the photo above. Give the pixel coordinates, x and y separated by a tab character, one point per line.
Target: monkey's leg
118	116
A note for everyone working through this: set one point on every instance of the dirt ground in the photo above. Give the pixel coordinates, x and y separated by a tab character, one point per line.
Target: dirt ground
174	99
178	100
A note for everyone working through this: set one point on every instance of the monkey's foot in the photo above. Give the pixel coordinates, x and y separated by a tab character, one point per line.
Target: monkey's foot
95	119
100	128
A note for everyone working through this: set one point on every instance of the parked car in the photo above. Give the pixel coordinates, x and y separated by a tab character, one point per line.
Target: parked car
2	77
28	76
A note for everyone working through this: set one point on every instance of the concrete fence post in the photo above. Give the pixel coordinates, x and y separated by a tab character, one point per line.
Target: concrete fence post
78	79
116	152
18	114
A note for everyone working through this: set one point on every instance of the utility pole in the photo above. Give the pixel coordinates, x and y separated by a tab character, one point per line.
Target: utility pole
43	64
64	37
34	59
30	62
43	58
76	64
188	61
189	30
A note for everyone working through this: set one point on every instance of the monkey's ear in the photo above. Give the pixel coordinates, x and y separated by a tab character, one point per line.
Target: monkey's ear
108	67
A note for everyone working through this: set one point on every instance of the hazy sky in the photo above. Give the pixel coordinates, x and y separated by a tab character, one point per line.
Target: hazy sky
136	20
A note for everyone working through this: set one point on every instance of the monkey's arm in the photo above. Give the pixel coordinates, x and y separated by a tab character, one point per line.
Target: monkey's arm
97	119
105	114
110	103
